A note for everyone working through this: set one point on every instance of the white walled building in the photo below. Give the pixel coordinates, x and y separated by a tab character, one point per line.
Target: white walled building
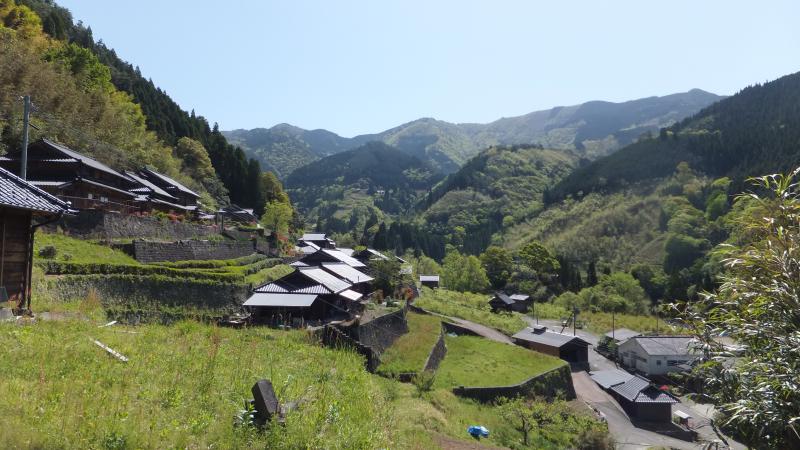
657	355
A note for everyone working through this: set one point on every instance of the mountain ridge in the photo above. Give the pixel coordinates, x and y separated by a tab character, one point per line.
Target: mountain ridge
594	128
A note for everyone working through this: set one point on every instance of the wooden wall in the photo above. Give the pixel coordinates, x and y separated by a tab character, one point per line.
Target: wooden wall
14	240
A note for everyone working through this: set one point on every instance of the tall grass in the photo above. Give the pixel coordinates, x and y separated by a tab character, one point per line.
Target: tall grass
181	388
410	351
469	306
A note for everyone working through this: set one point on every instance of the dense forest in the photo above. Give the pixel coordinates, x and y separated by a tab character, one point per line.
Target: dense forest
241	178
744	135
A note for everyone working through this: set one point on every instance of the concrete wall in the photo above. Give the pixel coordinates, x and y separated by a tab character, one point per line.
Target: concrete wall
549	384
92	224
148	251
332	337
450	327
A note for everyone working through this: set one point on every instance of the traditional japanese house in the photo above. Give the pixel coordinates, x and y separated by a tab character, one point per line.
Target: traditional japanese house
83	181
235	213
23	208
431	281
361	281
638	397
319	239
152	197
310	293
326	255
186	197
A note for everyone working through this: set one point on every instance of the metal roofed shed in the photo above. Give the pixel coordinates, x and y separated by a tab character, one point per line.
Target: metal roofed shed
572	349
324	278
431	281
281	300
285	307
505	302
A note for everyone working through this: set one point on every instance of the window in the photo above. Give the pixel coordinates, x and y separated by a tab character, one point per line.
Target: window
104	199
658	362
90	196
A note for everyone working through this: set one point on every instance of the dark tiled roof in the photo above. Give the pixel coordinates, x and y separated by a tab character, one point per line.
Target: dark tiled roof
148	185
630	389
170	181
549	338
78	157
101	185
17	193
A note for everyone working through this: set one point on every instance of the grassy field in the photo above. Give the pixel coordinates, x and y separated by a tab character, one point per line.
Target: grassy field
601	322
181	388
74	250
475	361
409	352
469	306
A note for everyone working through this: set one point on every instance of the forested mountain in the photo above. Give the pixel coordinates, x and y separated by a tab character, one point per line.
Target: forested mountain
593	129
355	188
751	133
241	176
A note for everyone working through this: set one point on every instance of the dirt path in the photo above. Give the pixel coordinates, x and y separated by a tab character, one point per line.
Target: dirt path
487	332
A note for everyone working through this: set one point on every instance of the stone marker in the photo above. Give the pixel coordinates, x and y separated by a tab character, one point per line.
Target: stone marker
265	402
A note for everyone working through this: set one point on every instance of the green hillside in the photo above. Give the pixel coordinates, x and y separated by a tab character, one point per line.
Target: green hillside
751	133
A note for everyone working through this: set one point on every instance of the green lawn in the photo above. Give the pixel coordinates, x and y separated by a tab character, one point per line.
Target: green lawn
180	389
410	351
601	322
475	361
469	306
69	249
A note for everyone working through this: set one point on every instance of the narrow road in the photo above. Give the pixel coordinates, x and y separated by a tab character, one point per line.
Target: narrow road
487	332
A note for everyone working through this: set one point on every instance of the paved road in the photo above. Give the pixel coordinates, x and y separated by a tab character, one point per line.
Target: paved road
487	332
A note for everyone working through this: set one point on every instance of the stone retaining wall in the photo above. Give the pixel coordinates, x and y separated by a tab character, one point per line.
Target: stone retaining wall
381	332
437	354
332	337
555	382
149	252
450	327
92	224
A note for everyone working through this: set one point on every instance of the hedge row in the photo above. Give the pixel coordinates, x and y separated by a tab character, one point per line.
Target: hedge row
213	263
69	268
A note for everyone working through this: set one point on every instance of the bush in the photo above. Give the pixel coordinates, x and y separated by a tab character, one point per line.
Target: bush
48	251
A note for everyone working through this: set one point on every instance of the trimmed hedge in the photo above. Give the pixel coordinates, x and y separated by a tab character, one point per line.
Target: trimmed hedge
212	263
67	268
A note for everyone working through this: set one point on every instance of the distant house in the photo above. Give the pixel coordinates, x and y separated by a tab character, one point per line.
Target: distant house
235	213
186	197
620	335
504	302
152	197
657	355
431	281
73	177
310	293
638	397
369	254
572	349
319	239
20	203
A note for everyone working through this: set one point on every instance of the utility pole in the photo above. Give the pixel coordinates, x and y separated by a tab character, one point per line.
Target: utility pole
26	119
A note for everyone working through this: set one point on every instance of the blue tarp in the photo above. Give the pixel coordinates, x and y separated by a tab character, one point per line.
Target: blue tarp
478	431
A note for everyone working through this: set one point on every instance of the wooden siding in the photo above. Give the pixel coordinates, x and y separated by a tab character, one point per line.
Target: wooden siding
14	251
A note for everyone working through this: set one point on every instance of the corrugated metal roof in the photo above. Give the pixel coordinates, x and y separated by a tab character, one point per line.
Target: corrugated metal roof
313	237
630	389
281	300
609	378
349	260
549	338
350	295
520	297
346	251
17	193
346	272
429	278
665	345
324	278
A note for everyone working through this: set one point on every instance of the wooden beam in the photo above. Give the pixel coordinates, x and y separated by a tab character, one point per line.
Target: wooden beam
111	351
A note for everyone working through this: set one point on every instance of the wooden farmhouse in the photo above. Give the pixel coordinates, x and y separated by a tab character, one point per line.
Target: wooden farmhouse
89	184
21	203
572	349
431	281
78	179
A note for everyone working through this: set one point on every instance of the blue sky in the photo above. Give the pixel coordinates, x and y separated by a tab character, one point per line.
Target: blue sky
363	66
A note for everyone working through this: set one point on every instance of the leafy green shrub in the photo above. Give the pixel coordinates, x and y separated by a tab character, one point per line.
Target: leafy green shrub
48	251
71	268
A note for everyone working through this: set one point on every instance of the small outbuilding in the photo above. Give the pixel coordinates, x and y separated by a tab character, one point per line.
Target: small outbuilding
638	397
504	302
21	204
570	348
431	281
